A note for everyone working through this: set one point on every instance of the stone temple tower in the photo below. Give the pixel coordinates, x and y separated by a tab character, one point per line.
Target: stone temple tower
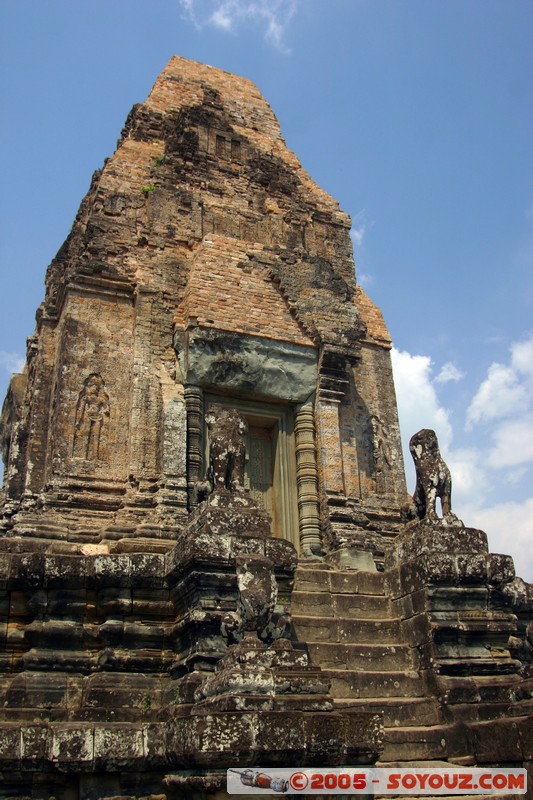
204	267
204	530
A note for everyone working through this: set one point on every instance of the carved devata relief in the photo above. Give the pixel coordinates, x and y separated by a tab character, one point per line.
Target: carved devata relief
380	444
381	452
90	424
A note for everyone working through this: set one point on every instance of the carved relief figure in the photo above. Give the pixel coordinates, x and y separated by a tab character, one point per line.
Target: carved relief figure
92	411
433	479
227	450
380	444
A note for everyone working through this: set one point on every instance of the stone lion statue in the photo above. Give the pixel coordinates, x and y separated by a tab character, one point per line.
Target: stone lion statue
227	448
433	479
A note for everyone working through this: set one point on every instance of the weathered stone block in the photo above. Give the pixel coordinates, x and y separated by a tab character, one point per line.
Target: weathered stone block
155	745
117	746
35	747
212	740
5	569
418	629
525	732
315	603
282	554
38	690
316	629
115	601
272	368
61	568
10	746
27	570
439	568
108	570
147	569
152	604
500	568
72	746
426	538
472	568
496	741
415	743
361	606
65	602
311	580
457	597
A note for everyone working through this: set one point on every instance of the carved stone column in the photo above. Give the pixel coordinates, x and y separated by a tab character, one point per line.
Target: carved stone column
194	405
174	494
145	390
332	387
307	480
345	538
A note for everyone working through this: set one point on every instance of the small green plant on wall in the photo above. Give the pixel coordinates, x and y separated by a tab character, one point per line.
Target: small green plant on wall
147	189
147	702
159	161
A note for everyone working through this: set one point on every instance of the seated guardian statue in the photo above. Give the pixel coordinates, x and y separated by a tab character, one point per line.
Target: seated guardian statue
227	448
433	479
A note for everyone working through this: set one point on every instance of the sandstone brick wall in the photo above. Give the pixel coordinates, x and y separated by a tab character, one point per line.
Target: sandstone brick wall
372	318
229	290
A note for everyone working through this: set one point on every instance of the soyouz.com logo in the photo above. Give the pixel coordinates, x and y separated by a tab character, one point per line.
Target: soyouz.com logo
376	780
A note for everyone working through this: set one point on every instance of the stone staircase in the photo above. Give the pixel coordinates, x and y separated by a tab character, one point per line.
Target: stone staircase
347	621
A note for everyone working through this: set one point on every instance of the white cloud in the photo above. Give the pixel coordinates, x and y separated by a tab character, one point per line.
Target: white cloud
515	475
419	407
273	15
221	19
418	404
499	395
358	234
361	223
509	527
507	389
11	362
364	279
469	478
505	402
512	442
522	358
449	372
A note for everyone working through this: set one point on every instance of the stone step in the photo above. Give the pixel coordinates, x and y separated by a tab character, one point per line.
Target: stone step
414	743
361	656
480	689
352	606
481	712
361	683
504	739
478	667
347	631
522	708
397	711
309	579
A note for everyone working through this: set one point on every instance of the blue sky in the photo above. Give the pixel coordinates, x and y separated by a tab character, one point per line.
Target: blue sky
414	114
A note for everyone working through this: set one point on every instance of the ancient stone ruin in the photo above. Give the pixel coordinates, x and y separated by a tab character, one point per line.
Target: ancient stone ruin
208	556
